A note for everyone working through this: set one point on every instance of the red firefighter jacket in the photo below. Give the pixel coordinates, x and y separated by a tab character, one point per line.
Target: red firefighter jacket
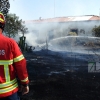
12	63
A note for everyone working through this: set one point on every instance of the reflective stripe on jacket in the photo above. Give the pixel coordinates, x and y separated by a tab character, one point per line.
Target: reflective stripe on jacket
12	63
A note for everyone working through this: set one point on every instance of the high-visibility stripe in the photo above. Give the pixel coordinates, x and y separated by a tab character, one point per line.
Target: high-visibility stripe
6	64
6	71
9	62
7	84
26	79
19	58
1	20
8	89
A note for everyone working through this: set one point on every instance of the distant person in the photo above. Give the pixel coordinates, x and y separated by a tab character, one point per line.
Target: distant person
12	65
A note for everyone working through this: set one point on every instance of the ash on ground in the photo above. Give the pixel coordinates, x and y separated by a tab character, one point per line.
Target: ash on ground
61	76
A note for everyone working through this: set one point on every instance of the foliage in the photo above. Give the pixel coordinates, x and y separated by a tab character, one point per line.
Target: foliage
4	6
96	31
14	25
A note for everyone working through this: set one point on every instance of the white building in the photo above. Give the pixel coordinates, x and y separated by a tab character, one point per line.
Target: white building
62	26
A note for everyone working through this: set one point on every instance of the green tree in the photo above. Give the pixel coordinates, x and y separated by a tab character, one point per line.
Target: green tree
4	6
96	31
14	25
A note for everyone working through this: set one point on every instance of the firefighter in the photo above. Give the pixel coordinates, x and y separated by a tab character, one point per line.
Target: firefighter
12	65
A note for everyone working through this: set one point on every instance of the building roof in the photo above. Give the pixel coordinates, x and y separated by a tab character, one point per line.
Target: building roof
66	19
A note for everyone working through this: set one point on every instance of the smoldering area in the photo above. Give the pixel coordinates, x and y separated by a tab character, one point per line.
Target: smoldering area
58	67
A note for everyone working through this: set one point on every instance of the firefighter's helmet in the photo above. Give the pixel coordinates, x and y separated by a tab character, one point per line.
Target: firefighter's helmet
2	18
2	21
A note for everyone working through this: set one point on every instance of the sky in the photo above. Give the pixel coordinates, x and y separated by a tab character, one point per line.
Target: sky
34	9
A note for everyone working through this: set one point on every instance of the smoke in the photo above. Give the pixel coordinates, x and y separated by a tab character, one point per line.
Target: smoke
40	33
31	39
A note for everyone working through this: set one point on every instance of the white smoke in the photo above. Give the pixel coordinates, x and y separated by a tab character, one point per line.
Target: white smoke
41	36
31	39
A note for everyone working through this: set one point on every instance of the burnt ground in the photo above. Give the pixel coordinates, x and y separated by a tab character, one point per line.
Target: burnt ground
57	76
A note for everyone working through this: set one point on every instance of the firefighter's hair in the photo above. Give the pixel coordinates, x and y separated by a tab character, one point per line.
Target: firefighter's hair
2	26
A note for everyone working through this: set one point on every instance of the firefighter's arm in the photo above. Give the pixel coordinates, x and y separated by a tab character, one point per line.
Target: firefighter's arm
20	65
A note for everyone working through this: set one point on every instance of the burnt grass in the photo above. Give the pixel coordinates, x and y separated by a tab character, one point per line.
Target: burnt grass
52	77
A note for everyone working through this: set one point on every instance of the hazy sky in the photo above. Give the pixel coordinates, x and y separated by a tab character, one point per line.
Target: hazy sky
33	9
